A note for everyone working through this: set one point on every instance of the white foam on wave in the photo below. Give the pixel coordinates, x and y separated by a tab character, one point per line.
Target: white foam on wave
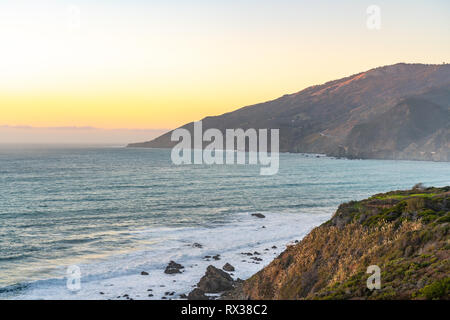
118	275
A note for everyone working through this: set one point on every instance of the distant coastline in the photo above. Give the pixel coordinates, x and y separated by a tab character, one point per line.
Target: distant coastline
396	112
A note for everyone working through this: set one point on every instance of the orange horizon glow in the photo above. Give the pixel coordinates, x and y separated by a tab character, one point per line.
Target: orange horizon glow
138	65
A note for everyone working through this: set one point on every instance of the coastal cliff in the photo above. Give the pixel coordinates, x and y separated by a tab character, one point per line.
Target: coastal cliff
404	233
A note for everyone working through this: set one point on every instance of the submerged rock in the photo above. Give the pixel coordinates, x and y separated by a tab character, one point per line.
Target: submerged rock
197	294
173	267
228	267
258	215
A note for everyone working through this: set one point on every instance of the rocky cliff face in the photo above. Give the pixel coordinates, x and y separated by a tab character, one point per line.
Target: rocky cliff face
339	117
405	233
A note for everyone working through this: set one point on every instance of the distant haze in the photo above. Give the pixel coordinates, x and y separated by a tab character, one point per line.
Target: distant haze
74	135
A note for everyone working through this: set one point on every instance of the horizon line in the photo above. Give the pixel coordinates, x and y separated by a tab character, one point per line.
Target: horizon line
7	126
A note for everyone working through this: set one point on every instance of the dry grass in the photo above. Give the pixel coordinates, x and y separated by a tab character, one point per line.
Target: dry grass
331	261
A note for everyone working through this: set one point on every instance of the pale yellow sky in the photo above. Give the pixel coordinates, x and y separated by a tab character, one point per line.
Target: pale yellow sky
136	64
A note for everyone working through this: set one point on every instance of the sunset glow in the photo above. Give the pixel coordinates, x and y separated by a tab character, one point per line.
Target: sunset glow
139	64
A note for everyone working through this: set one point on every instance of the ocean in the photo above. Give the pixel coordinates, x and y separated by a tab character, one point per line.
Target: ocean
115	212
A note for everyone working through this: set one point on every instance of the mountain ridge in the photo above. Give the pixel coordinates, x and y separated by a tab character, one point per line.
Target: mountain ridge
320	118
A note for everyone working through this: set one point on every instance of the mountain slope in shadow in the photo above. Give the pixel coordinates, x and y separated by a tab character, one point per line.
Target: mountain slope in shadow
413	129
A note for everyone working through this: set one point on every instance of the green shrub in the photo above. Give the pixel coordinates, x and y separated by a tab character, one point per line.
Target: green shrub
437	290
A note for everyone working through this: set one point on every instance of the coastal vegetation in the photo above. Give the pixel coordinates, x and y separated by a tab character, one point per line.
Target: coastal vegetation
405	233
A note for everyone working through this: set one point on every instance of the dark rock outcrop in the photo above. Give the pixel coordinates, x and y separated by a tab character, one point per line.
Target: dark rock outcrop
215	281
258	215
173	267
228	267
197	294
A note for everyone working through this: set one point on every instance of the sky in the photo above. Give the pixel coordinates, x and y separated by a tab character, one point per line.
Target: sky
140	65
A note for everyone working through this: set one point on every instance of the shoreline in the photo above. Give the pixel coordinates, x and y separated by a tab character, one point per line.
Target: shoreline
276	269
235	243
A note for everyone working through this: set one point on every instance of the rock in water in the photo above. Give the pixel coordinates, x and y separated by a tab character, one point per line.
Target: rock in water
197	294
258	215
215	281
228	267
143	273
173	267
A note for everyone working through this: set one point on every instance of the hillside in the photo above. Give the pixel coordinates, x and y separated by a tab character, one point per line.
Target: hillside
415	128
405	233
339	117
